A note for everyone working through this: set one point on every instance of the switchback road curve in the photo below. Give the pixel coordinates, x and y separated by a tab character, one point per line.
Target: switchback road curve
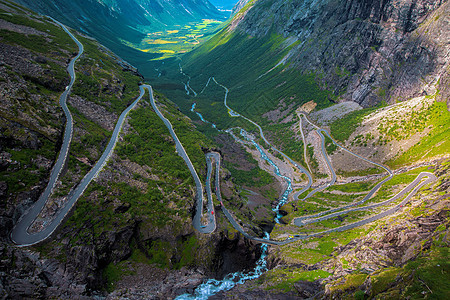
20	235
210	226
413	187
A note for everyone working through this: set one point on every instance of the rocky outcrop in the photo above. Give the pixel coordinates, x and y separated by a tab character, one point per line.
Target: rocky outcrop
366	51
392	246
155	283
444	88
238	6
235	254
25	274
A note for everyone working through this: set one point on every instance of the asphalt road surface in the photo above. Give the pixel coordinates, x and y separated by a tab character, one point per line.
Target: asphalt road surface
20	234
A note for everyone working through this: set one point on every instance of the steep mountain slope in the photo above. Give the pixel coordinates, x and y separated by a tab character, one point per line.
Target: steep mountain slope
224	4
363	51
272	62
116	23
369	50
137	214
278	59
238	6
131	233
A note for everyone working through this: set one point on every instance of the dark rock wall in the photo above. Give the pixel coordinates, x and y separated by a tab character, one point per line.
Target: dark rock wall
365	51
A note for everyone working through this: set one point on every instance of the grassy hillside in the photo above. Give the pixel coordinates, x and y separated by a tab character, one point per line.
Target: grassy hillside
141	205
403	255
246	66
258	85
32	77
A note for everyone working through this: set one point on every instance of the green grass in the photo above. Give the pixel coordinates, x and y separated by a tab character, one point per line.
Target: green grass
426	277
159	254
329	197
351	281
381	281
152	139
432	270
341	129
34	42
310	251
188	253
95	137
435	143
57	37
23	179
321	247
368	171
329	145
254	177
28	126
398	180
313	163
353	187
307	256
167	190
168	182
238	61
283	280
284	137
301	209
92	80
343	219
90	138
176	40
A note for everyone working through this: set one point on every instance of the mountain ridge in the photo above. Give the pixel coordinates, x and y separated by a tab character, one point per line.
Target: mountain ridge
364	52
116	23
131	232
34	53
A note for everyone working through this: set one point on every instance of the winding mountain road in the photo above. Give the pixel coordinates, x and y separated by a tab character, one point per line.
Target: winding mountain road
305	154
412	188
232	113
301	220
20	234
197	221
22	237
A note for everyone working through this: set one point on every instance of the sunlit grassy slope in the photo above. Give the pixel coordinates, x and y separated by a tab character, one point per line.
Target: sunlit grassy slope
178	39
250	67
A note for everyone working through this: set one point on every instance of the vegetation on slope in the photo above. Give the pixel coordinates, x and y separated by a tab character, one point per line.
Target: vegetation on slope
404	255
246	66
436	143
32	78
142	202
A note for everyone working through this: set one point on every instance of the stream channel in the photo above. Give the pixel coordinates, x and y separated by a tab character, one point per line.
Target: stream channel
213	286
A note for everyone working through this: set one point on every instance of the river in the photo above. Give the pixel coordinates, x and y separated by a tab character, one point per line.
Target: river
213	286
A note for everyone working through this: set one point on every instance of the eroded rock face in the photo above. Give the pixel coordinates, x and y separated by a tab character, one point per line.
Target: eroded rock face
235	254
24	274
366	51
393	247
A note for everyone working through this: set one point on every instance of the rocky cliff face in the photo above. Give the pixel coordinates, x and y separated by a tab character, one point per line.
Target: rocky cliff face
238	6
365	51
